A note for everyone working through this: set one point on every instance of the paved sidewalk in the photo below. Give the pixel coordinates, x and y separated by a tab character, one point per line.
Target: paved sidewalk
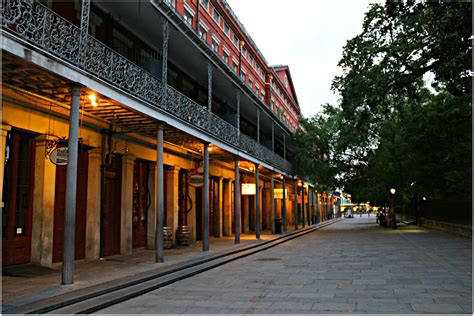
353	266
20	290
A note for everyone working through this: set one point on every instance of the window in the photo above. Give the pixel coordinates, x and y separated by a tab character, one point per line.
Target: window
236	41
251	60
286	81
205	4
235	66
215	44
250	83
171	3
242	75
188	17
226	29
225	56
244	52
216	16
257	90
257	67
202	32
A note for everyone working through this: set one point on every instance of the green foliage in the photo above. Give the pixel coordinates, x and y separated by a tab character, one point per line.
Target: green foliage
395	127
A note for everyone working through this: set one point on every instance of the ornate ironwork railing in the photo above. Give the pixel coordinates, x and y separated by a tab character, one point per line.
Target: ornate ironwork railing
38	25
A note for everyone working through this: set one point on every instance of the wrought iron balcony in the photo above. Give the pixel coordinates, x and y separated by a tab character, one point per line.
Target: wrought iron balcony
49	32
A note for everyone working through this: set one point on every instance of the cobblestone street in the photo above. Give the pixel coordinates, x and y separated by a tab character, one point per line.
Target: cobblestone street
353	266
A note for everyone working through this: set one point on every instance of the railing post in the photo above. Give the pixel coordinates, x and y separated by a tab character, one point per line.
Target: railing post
71	188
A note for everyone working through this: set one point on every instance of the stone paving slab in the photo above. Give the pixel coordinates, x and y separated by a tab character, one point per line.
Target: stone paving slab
353	266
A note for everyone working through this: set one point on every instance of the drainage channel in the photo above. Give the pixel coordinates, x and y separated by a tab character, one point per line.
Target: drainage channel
95	301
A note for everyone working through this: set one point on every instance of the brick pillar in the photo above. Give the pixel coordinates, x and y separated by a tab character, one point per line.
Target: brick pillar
128	162
93	204
172	202
227	196
43	206
5	130
151	214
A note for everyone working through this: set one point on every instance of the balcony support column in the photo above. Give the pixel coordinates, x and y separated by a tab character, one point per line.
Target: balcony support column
159	196
303	221
258	125
238	110
205	235
284	145
296	204
273	137
257	203
272	200
166	35
237	200
283	204
209	86
71	188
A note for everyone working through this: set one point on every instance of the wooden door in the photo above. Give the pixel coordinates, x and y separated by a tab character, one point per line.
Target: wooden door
112	210
81	209
18	187
141	203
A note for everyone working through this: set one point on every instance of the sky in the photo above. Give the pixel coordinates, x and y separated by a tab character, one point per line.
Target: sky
306	35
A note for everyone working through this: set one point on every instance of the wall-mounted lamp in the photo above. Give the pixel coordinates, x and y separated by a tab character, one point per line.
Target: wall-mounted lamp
393	191
93	100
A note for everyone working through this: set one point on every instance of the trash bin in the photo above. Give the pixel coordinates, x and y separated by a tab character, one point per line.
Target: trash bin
277	225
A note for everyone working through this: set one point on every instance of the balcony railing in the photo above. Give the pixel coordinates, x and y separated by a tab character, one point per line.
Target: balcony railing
38	25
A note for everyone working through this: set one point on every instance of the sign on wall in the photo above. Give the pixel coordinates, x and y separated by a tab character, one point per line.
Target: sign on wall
278	193
58	156
196	180
248	189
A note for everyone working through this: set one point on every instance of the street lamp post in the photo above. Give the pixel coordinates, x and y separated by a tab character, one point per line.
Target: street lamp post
393	217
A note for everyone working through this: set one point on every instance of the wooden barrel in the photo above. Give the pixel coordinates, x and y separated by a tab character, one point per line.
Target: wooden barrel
167	237
183	236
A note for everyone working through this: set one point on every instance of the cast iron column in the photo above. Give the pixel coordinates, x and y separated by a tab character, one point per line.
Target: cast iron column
257	203
296	203
159	195
272	198
164	61
209	86
205	239
283	211
302	207
237	200
258	125
71	188
84	29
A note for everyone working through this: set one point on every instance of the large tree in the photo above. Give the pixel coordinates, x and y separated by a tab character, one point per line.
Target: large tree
404	119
